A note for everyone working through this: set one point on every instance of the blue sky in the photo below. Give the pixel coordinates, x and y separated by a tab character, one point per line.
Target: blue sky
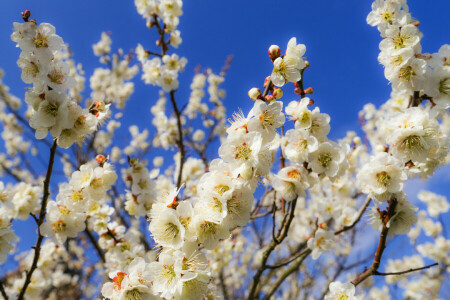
341	47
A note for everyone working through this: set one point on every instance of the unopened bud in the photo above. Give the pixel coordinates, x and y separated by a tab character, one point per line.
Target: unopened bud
266	81
324	226
311	102
254	93
416	23
97	107
26	15
269	98
274	52
247	174
101	159
277	93
307	65
298	91
309	91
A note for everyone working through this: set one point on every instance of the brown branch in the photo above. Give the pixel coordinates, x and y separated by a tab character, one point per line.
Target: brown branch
404	272
283	232
42	214
360	213
381	246
285	274
164	48
180	137
94	243
223	286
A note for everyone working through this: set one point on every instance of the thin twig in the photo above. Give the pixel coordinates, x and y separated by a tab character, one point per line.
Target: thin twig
360	213
42	214
95	244
376	273
381	246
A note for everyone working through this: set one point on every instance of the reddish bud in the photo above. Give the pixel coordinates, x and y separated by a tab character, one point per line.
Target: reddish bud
254	94
298	91
26	15
269	98
274	52
266	81
416	23
309	91
311	102
277	93
101	159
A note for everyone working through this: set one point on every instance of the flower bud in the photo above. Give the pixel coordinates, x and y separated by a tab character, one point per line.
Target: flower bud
309	91
26	15
277	93
247	174
274	52
269	98
101	159
254	93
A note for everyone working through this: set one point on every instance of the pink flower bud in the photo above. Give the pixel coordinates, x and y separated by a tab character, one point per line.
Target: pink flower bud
277	93
274	52
26	15
254	93
309	91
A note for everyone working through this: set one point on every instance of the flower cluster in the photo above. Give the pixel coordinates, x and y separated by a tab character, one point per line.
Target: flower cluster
51	107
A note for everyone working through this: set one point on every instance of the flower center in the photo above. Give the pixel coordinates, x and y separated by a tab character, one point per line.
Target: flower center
325	159
383	179
243	151
406	73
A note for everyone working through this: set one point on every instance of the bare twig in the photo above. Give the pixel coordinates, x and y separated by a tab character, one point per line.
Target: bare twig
381	246
42	214
376	273
360	213
94	243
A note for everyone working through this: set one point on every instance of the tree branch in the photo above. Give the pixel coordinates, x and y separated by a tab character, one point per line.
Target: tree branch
381	246
376	273
360	213
43	212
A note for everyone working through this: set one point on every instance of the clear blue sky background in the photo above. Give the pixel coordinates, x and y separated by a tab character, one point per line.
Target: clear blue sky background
341	48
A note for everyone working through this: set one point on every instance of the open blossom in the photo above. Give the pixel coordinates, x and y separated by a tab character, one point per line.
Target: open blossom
327	158
246	153
387	13
132	284
341	291
287	68
167	229
297	144
266	118
382	176
291	182
321	242
62	223
436	204
412	134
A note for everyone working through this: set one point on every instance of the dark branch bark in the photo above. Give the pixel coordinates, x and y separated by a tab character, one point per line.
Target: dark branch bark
43	212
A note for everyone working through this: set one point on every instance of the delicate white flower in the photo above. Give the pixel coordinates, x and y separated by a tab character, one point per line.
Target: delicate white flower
341	291
326	159
321	242
382	176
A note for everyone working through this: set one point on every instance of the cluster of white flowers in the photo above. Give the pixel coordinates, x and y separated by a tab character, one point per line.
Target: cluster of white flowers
167	10
197	245
86	190
51	107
